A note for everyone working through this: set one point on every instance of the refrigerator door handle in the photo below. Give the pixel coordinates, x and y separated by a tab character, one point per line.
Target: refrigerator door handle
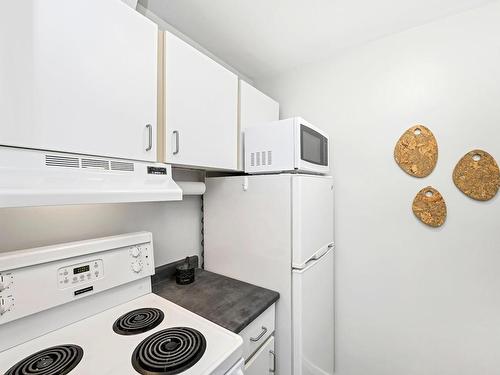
317	255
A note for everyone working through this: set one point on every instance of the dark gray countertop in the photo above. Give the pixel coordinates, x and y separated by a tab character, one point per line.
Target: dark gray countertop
230	303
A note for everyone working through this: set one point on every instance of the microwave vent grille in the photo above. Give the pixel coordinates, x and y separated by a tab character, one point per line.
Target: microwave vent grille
95	163
261	158
62	161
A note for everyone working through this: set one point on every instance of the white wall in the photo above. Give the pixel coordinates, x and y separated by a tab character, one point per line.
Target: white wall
410	299
165	26
176	226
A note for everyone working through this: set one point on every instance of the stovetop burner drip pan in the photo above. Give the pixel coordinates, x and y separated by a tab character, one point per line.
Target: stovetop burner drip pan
57	360
168	352
138	321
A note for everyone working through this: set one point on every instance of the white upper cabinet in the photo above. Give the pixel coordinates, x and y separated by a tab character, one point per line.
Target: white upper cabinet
255	108
201	109
78	76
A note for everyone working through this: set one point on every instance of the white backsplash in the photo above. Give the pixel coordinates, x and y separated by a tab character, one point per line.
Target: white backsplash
176	226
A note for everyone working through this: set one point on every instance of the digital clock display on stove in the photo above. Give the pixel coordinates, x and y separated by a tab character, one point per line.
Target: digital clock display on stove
81	269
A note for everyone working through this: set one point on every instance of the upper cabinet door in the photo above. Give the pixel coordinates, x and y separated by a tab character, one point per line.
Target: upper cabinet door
201	99
78	76
255	108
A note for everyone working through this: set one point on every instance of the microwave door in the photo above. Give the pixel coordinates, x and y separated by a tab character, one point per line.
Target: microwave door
313	149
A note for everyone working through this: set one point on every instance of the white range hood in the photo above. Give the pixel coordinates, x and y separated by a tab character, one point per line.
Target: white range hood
40	178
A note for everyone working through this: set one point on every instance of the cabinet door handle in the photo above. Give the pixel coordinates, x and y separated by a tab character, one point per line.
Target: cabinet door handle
176	135
150	137
273	370
264	331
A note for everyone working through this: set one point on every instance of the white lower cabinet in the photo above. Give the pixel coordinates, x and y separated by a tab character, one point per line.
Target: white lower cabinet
263	361
258	344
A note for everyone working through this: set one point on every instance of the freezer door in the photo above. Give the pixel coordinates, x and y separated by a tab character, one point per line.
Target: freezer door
313	317
312	217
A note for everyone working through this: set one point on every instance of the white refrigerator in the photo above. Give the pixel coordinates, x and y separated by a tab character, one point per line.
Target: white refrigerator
277	231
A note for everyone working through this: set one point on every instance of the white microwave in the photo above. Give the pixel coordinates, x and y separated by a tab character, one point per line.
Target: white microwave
291	145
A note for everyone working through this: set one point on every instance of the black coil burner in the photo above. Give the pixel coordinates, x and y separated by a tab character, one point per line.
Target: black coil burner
58	360
138	321
169	352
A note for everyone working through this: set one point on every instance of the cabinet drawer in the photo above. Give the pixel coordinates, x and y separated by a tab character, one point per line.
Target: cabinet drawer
257	332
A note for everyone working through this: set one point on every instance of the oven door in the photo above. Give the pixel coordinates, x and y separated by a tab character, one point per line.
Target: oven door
311	148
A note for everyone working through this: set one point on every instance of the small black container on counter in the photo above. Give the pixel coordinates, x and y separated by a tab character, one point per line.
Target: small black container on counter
184	273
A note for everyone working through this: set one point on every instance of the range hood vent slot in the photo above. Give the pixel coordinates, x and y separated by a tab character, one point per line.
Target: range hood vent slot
122	166
62	161
96	164
87	163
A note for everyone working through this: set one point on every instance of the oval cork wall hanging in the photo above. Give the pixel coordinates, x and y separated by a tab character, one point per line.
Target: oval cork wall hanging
477	175
429	207
417	151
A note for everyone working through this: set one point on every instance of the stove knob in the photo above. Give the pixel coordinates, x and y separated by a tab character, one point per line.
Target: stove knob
136	267
135	252
4	282
5	304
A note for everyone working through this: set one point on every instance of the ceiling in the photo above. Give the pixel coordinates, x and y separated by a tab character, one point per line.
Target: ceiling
265	37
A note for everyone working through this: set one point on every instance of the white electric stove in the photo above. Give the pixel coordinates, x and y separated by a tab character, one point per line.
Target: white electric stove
87	308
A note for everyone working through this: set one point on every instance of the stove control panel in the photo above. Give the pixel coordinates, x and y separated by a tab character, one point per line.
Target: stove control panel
140	258
81	273
40	280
